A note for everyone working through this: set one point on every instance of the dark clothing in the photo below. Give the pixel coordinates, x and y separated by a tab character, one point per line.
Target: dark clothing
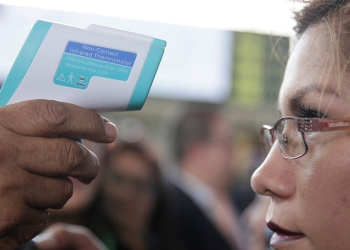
161	234
194	227
27	246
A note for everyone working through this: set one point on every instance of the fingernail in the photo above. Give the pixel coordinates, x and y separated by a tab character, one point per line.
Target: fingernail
111	129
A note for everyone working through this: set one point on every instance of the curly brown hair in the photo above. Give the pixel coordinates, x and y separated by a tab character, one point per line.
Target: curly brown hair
318	10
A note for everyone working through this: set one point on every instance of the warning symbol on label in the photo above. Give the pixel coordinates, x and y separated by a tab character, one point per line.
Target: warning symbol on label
61	78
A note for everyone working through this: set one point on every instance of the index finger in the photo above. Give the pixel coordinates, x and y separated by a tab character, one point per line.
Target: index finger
49	118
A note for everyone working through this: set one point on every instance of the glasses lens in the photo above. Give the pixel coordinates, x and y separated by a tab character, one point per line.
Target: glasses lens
266	139
289	138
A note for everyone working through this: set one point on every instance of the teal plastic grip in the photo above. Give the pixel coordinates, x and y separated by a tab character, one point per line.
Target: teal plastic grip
147	75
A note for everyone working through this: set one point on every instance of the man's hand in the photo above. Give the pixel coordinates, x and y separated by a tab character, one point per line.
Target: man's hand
63	236
36	158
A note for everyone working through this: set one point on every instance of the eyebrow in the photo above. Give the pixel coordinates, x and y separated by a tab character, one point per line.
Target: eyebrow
295	101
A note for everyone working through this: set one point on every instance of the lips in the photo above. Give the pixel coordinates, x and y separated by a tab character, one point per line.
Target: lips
283	236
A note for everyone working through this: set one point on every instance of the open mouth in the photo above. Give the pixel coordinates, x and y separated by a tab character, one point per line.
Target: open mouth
283	236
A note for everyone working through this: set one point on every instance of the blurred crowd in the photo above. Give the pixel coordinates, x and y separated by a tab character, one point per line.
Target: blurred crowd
134	204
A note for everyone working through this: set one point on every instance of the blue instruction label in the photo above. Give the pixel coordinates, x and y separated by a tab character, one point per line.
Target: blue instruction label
80	62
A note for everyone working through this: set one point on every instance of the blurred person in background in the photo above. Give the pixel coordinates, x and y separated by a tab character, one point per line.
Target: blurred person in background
124	207
200	188
130	212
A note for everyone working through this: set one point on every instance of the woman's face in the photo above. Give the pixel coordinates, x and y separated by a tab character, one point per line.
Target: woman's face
310	196
129	191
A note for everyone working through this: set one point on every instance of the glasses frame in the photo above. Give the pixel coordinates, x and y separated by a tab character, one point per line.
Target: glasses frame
305	125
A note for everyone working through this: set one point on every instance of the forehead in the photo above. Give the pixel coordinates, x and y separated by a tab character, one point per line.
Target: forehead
309	70
129	162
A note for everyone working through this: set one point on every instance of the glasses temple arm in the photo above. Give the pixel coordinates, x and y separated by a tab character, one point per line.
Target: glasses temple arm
316	124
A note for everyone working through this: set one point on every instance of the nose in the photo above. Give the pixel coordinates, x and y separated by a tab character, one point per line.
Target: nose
275	176
126	191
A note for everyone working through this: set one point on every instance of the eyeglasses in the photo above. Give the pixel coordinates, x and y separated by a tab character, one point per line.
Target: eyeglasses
290	133
138	185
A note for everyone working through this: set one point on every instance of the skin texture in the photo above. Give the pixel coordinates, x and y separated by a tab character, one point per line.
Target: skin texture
83	194
310	195
37	159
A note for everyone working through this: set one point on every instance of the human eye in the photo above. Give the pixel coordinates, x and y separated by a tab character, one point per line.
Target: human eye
306	111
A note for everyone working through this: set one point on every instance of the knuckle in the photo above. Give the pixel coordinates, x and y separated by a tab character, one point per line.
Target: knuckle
92	167
69	155
76	161
6	153
10	146
56	114
95	124
9	222
74	156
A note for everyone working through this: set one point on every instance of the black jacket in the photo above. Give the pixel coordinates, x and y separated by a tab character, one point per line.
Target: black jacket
27	246
197	231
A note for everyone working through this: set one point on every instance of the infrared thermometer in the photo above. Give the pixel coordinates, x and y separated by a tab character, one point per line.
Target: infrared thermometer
98	68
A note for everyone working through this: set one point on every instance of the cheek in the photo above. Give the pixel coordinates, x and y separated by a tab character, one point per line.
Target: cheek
324	190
